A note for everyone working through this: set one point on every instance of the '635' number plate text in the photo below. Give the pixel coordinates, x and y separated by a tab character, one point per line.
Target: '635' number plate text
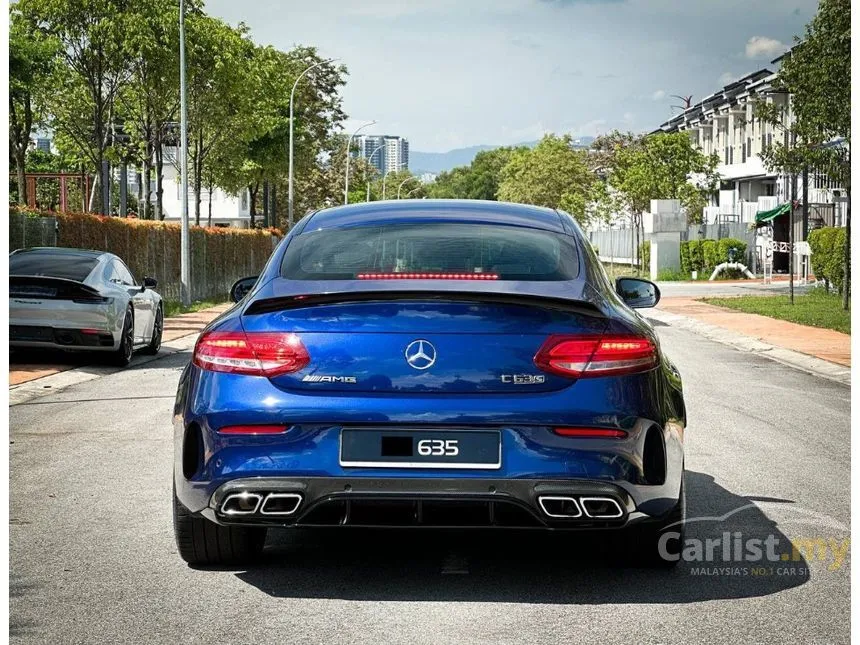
420	448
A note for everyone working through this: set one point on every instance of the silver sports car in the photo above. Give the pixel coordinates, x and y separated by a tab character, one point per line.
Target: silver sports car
75	299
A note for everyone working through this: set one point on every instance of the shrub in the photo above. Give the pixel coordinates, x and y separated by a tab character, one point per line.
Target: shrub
828	255
219	256
685	258
696	260
726	244
709	254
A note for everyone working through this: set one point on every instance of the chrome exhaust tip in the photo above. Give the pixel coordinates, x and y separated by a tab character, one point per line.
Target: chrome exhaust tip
602	508
241	504
281	504
559	506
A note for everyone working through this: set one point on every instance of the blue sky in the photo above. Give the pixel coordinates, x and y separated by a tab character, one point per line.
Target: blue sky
455	73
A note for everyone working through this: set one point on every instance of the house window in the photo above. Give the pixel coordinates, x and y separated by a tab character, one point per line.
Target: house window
244	200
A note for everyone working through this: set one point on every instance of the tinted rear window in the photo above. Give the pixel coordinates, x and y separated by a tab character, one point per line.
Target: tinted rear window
59	265
508	252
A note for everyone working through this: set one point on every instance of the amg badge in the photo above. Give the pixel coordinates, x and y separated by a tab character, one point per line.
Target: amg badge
315	378
524	379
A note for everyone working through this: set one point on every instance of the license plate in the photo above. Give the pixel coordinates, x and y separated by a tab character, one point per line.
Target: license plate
421	448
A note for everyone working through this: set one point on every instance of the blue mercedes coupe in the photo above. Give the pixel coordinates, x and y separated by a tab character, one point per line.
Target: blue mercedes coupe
430	363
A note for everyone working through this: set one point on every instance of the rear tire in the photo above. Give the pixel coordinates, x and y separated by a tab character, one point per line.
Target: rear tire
201	542
122	356
157	331
642	544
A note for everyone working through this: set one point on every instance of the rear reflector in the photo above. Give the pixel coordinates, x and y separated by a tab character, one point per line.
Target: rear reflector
89	331
255	353
253	429
609	433
427	276
586	356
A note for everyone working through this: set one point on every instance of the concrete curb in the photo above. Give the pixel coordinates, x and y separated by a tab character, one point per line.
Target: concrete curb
804	362
56	382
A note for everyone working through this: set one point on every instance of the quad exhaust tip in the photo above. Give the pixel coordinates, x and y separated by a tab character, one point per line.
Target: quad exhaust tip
566	507
247	503
281	504
604	508
241	504
558	506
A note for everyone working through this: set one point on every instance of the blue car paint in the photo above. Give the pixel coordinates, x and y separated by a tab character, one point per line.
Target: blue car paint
310	446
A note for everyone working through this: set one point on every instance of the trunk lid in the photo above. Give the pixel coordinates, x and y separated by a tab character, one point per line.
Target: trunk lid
422	340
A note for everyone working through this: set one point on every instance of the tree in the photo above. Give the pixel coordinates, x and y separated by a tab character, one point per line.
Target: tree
478	180
817	75
552	174
150	101
91	68
220	60
31	60
665	166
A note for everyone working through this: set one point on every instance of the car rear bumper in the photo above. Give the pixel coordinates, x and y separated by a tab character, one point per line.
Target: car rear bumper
422	503
48	337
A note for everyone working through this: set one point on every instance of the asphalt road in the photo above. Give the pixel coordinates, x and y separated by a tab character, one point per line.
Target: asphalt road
93	558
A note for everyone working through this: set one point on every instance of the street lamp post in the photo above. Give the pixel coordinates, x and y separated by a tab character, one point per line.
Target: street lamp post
385	176
184	237
412	191
375	150
403	182
348	147
290	180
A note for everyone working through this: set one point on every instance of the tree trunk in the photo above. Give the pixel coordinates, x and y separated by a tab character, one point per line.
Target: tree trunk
145	206
198	180
846	288
252	194
95	190
159	175
20	167
209	223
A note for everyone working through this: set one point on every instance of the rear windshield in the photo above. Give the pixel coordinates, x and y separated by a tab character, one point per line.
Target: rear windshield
59	265
427	249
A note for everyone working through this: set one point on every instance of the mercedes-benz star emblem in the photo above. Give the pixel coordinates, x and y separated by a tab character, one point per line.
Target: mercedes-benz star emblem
420	354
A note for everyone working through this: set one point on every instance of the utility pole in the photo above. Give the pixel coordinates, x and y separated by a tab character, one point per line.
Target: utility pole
184	240
348	146
290	179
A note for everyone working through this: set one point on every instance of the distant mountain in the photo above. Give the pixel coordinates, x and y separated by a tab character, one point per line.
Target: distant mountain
436	162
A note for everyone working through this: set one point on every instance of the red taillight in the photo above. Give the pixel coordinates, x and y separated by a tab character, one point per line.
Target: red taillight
585	356
255	353
253	429
606	433
427	276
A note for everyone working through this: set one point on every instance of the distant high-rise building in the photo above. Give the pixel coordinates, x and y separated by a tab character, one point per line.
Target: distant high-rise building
386	153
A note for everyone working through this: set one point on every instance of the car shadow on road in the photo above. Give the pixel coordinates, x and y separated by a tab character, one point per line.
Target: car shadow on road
502	566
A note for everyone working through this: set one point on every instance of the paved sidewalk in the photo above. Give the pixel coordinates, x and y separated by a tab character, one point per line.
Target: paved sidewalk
54	362
825	344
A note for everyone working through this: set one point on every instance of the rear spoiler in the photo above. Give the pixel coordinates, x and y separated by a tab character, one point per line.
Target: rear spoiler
300	301
47	288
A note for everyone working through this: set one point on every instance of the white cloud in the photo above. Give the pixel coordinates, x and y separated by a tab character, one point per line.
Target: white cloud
764	47
659	95
531	132
726	78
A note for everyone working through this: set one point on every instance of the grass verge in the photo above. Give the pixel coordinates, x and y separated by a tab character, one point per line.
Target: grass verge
175	308
815	308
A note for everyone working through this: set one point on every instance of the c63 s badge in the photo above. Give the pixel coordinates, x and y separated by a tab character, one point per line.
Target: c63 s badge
316	378
524	379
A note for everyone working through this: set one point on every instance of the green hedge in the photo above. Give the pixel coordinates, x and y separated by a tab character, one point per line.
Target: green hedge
706	255
219	256
828	255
